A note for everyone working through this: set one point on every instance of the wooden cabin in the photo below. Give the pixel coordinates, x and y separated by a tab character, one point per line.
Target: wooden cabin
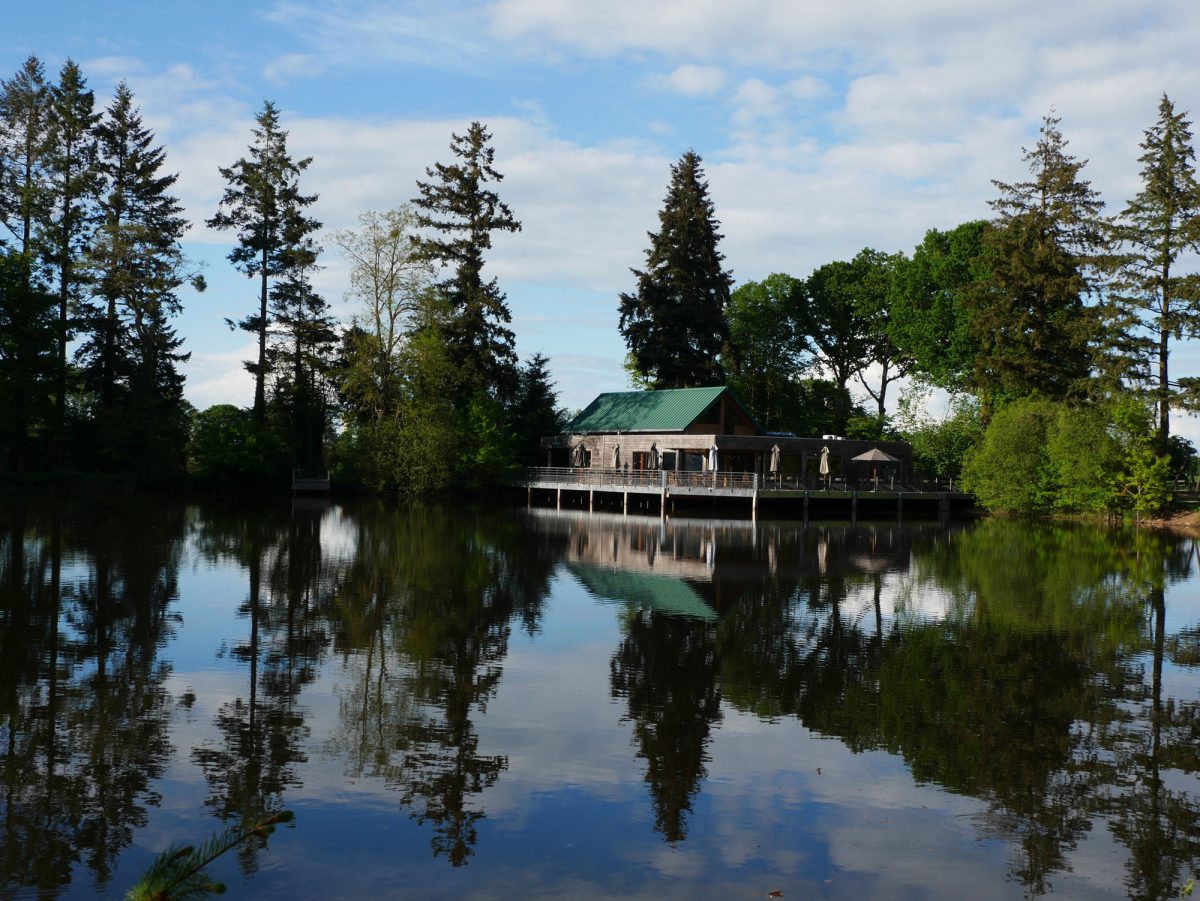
677	429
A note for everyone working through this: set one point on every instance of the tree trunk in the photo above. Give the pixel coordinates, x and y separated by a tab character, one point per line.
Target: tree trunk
260	393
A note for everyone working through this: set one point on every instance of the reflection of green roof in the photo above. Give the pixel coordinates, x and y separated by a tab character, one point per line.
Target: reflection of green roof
668	410
665	594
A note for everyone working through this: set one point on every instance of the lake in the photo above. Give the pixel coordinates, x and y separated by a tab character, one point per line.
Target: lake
502	703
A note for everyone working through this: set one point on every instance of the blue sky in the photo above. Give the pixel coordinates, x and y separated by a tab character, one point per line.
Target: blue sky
824	127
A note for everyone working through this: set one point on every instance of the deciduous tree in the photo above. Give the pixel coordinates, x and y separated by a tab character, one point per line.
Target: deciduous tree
768	348
388	278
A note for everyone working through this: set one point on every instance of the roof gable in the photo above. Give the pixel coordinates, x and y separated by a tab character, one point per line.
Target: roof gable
665	410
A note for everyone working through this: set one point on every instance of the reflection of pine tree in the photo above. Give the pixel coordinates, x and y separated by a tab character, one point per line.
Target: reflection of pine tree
1159	825
83	703
263	731
425	615
666	668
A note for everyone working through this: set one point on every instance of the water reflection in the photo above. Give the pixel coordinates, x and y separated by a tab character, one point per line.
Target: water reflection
1037	669
83	709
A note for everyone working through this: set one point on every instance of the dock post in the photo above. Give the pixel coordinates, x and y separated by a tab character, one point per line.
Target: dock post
528	496
754	500
662	495
625	501
853	507
558	499
806	506
591	499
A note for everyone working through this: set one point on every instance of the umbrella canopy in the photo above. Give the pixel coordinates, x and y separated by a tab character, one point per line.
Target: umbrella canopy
824	469
875	455
775	458
712	458
654	456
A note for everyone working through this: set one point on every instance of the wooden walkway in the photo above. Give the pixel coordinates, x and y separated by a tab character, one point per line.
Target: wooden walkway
668	485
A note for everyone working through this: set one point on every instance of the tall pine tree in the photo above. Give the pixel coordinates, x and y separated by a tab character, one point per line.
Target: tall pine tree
71	184
1155	228
300	360
24	120
263	202
137	266
463	212
674	324
1029	316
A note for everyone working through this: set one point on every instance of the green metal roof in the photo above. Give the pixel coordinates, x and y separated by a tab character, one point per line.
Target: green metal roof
667	410
666	594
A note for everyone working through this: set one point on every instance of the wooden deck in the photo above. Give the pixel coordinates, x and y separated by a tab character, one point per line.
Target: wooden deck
668	485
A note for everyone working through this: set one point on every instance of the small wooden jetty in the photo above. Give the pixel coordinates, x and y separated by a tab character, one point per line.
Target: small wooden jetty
310	484
660	490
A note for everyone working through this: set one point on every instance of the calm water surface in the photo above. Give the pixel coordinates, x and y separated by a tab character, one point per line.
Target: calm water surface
468	703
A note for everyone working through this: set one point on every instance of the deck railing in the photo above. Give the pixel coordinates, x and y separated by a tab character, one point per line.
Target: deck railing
597	477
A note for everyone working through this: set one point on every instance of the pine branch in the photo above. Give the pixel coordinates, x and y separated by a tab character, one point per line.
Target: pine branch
178	873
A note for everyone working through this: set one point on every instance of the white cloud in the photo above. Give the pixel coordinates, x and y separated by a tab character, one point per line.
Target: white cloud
695	81
291	66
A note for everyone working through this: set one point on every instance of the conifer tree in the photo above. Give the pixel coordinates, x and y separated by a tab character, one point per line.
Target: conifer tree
24	120
71	184
462	211
263	202
137	267
1155	228
300	360
27	356
1042	255
674	323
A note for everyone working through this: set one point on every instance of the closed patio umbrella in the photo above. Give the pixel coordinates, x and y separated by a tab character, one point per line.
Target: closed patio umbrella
654	456
616	456
824	467
775	458
712	458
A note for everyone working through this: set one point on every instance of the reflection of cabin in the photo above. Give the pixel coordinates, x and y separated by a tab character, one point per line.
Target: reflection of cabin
626	430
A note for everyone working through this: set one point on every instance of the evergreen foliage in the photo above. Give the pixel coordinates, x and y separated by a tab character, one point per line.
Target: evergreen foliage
136	266
178	874
24	122
1033	331
462	212
1155	228
674	323
264	204
72	183
299	359
27	358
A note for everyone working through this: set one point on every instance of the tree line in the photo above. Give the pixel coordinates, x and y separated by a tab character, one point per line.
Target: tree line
423	390
1050	320
1045	323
